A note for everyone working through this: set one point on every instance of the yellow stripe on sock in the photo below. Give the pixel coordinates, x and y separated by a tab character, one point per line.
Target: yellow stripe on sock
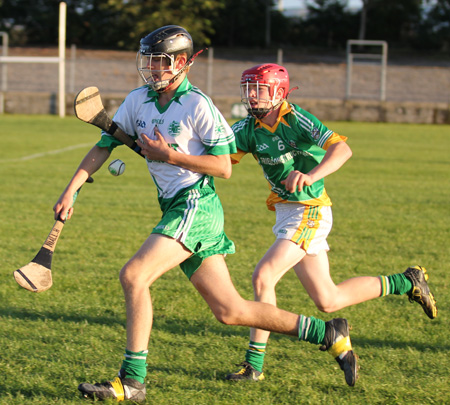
118	388
341	346
384	286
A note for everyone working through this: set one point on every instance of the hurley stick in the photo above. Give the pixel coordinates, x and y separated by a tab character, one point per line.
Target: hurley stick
36	276
89	108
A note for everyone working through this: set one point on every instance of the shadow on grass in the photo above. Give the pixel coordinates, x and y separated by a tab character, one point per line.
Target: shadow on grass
366	343
39	395
202	374
24	314
197	327
163	323
49	397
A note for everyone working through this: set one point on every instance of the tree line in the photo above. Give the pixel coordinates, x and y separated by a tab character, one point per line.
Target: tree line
119	24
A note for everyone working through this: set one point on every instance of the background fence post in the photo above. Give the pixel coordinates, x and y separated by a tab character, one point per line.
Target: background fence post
5	41
209	75
62	59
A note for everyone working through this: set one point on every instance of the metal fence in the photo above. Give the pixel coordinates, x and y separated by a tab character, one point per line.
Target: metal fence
115	72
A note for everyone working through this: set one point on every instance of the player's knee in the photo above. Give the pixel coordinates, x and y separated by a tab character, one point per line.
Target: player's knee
135	276
325	305
223	317
262	280
125	279
129	278
327	310
228	316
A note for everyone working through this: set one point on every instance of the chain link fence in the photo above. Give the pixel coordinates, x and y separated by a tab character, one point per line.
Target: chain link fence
319	78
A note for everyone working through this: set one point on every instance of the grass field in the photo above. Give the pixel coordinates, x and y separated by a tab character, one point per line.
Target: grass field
391	210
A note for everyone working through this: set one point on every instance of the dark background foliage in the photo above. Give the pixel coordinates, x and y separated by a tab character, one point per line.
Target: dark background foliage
117	24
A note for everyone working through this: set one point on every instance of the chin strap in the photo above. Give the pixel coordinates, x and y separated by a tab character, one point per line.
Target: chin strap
263	114
290	91
189	63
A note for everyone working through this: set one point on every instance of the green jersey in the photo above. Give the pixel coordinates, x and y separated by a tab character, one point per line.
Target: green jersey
297	141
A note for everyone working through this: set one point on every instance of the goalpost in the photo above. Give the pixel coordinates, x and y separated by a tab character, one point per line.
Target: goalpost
60	59
353	56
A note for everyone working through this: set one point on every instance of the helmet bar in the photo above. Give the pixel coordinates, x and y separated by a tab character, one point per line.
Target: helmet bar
258	105
145	67
188	63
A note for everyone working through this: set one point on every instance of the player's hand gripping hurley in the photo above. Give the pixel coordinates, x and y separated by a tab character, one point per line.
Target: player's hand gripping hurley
36	276
89	108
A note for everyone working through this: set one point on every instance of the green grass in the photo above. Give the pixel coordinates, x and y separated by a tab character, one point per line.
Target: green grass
391	210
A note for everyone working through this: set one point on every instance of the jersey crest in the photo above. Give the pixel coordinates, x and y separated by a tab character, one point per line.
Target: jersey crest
315	133
174	129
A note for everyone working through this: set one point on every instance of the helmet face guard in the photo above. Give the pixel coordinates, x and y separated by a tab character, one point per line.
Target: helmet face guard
255	96
162	62
260	86
157	55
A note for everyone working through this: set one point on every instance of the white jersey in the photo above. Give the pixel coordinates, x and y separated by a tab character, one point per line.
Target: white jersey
190	123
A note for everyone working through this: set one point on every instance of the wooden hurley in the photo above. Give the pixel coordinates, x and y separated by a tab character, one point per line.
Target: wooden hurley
89	108
36	276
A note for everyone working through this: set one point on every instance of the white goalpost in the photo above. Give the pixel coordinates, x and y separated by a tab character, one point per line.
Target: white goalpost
381	58
60	59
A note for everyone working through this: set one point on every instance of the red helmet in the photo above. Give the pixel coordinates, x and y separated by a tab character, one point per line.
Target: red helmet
269	75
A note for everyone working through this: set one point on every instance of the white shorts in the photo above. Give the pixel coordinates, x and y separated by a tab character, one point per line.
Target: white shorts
306	225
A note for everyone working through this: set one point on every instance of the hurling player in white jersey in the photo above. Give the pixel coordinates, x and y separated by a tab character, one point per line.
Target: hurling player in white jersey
296	152
186	142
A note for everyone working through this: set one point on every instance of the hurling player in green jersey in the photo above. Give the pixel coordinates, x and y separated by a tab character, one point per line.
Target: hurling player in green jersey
186	141
296	152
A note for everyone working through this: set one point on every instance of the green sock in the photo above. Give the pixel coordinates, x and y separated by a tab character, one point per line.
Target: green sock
135	365
396	284
311	330
255	355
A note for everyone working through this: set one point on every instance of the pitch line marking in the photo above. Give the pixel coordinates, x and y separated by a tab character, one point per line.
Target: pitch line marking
51	152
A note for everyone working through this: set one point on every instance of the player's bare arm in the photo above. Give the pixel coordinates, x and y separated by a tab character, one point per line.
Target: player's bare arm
337	154
217	166
88	166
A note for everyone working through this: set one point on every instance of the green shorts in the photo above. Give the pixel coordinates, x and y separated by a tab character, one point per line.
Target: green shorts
194	217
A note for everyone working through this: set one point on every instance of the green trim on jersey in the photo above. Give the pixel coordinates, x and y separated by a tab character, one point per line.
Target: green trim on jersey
220	146
108	141
295	145
206	182
190	124
183	88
